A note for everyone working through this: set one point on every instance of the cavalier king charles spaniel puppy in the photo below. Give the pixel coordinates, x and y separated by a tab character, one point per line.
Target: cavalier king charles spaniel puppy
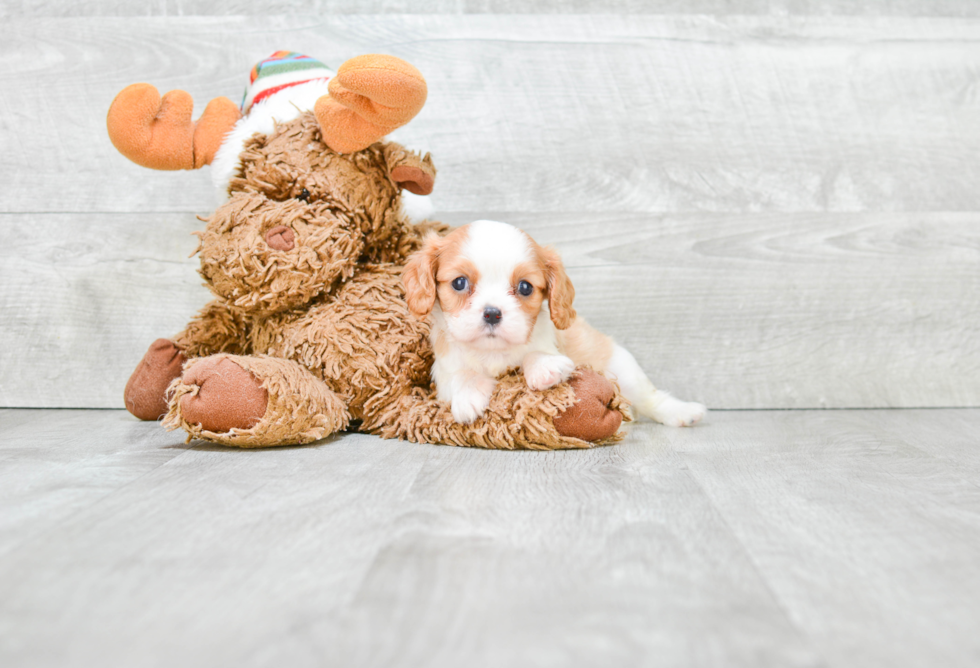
496	300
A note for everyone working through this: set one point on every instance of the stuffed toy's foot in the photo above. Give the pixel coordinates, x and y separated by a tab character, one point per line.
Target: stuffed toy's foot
227	397
145	393
251	402
595	415
582	413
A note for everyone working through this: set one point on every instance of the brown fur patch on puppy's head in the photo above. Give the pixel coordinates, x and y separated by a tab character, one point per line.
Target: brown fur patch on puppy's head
426	273
561	292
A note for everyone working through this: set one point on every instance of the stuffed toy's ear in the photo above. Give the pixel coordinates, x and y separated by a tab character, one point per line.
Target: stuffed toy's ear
410	171
561	292
158	132
414	179
370	96
419	277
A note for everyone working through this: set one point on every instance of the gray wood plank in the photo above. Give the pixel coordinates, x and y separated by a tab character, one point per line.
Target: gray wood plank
180	8
861	532
957	445
787	311
54	465
750	311
783	538
59	8
84	297
730	7
543	113
192	537
608	558
372	553
11	418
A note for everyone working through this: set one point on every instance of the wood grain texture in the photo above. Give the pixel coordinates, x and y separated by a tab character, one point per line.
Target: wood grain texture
850	512
790	538
750	311
84	296
60	8
53	465
711	165
606	559
869	310
655	113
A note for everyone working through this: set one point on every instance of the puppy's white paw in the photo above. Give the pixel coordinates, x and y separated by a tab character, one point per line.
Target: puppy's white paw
542	370
676	413
471	401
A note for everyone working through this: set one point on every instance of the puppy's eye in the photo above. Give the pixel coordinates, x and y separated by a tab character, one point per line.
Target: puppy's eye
460	283
304	196
525	288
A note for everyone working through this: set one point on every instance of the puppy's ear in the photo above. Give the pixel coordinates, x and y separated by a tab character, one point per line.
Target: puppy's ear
419	277
561	292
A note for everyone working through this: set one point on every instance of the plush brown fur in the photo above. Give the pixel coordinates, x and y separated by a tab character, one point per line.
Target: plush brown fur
319	324
299	409
517	418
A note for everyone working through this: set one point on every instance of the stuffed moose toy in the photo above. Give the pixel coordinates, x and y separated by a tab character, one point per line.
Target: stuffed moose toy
309	332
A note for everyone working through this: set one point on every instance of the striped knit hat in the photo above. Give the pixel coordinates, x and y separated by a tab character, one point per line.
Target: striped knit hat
282	70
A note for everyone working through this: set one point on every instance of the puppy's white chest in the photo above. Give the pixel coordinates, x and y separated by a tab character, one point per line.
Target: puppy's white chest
491	363
494	364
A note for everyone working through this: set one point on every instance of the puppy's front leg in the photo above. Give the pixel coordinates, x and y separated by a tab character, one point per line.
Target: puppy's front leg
544	370
471	395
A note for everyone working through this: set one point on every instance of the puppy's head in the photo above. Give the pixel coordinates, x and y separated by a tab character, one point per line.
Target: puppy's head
489	280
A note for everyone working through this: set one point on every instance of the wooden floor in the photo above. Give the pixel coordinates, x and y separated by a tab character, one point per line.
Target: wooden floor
762	538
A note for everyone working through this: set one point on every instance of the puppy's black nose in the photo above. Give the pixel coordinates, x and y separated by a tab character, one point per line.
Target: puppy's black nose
491	315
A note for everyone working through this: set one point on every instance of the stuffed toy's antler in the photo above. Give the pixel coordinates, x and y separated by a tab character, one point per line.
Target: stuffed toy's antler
370	96
159	133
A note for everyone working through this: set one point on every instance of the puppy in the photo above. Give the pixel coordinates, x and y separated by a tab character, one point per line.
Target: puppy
496	300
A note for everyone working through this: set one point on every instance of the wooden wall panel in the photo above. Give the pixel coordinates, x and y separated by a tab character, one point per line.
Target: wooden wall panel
537	113
62	8
83	297
747	311
789	198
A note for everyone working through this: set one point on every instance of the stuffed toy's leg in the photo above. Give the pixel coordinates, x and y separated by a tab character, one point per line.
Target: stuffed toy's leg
582	413
216	328
250	402
263	401
145	393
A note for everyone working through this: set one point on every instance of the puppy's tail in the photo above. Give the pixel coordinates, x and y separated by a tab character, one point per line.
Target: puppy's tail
647	399
588	346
